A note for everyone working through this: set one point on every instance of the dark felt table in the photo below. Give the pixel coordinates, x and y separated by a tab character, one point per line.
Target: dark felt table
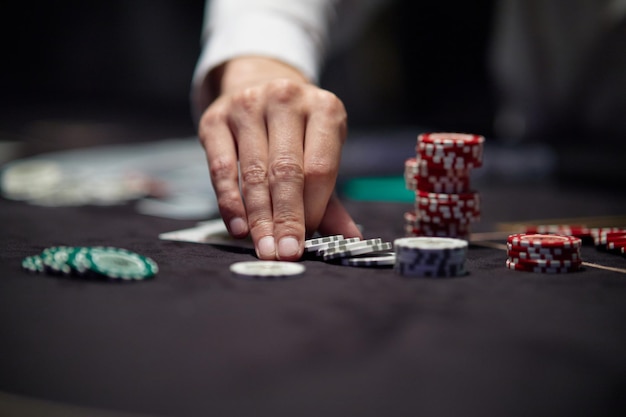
337	341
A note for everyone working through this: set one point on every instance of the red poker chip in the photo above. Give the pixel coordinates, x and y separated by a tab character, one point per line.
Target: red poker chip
441	187
598	232
443	219
538	269
451	206
559	229
617	245
453	211
449	197
546	251
454	164
437	233
574	256
607	237
547	263
452	139
423	168
450	149
544	241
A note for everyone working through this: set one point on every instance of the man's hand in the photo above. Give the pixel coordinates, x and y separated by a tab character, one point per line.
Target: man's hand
287	136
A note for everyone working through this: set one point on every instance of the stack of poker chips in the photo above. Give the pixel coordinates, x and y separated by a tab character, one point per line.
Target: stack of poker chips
445	204
610	239
100	262
430	256
350	251
543	253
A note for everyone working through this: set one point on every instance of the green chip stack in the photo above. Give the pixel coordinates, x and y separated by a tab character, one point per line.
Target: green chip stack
96	262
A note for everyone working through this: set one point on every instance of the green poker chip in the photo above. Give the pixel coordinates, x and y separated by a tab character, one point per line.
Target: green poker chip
113	263
92	262
56	259
33	264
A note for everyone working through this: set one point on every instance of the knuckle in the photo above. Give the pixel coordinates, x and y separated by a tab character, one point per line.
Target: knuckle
228	202
254	175
284	90
260	225
247	100
289	220
222	168
286	169
333	111
320	169
212	117
330	104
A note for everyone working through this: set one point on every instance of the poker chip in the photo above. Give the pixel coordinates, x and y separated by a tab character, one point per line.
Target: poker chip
445	204
267	269
320	247
92	262
383	259
351	251
309	243
347	244
536	240
548	256
430	256
339	253
543	253
577	230
510	264
33	264
113	263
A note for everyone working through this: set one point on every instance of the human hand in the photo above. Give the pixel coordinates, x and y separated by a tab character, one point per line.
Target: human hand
287	136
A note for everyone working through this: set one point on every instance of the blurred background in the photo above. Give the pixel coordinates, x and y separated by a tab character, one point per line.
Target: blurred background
79	73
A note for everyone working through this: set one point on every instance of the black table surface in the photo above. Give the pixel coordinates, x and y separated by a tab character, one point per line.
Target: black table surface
337	341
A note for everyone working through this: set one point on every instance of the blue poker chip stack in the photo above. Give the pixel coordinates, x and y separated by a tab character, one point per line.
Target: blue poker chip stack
430	257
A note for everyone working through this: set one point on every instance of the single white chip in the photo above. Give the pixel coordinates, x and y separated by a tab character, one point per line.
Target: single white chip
266	269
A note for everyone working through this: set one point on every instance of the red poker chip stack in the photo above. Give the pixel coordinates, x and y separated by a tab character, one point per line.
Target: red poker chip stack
611	239
445	205
543	253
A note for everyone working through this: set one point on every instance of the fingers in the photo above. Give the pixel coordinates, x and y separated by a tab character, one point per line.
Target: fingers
219	145
287	138
325	135
286	126
248	126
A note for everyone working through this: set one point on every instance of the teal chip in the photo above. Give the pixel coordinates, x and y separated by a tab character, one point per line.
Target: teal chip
114	263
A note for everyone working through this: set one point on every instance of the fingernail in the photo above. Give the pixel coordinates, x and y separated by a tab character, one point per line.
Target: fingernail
238	226
288	247
266	247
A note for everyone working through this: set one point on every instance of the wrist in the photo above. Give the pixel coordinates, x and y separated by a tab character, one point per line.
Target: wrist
243	72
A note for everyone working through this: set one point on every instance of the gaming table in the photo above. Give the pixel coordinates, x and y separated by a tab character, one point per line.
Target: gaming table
336	341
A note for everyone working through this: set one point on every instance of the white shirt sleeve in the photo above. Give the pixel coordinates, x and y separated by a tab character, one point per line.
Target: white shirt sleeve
292	31
296	32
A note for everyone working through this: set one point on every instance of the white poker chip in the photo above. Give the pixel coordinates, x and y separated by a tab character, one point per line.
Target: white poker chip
348	244
327	245
384	259
354	251
266	269
321	240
